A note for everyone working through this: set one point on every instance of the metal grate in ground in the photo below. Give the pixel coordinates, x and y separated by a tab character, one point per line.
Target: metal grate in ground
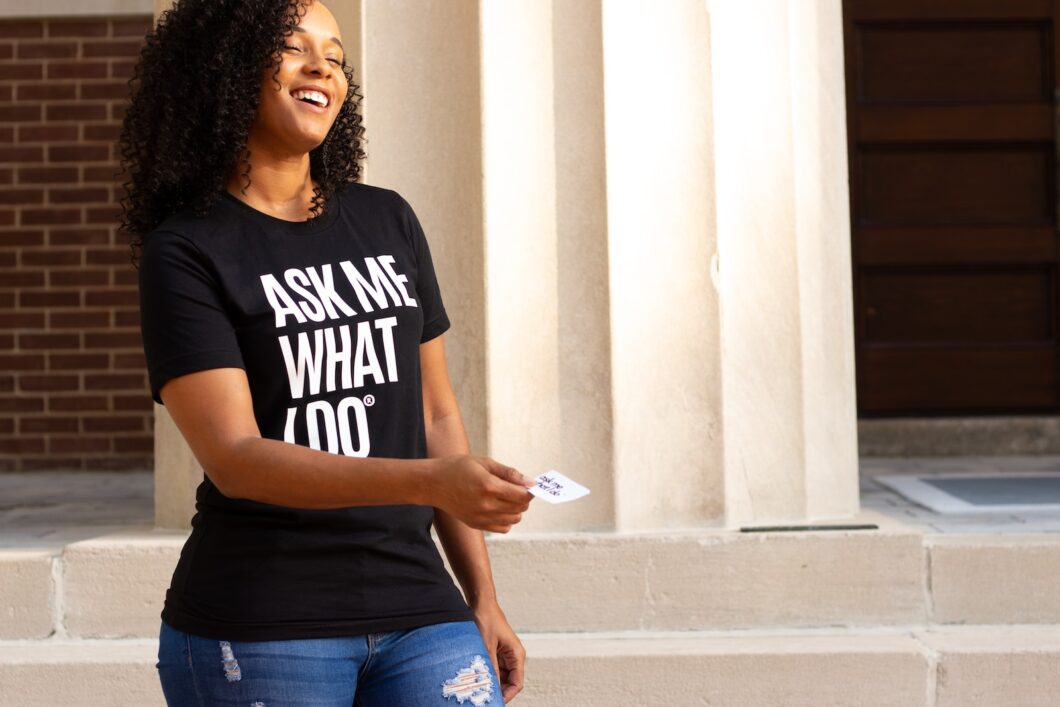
987	507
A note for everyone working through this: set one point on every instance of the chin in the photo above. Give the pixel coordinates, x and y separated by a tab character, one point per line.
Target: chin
306	143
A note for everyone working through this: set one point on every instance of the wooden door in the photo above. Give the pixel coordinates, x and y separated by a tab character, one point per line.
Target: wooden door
952	148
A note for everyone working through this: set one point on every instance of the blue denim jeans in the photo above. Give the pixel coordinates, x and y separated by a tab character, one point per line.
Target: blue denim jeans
440	664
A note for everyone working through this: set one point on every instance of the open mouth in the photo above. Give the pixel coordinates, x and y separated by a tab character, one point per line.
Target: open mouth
314	99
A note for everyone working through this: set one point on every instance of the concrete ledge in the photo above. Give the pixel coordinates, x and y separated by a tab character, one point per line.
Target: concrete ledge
947	667
710	580
957	436
732	670
985	666
113	586
995	578
26	593
79	672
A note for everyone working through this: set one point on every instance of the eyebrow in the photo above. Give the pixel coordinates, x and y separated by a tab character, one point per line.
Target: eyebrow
333	39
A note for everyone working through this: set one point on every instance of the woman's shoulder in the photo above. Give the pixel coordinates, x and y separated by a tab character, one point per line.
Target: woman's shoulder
191	223
371	195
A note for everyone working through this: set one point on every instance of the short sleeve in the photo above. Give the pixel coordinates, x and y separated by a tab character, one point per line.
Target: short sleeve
429	294
183	323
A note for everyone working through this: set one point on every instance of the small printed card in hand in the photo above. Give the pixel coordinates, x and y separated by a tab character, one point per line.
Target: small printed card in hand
554	487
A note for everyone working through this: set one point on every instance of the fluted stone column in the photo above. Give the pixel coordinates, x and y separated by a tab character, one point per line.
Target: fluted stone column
784	261
582	272
665	362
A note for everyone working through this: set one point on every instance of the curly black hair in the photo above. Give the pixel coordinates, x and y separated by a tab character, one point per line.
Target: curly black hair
194	94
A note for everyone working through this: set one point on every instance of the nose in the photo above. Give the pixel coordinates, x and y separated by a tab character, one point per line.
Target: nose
317	63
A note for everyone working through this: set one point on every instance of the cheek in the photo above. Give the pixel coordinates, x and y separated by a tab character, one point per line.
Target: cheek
342	96
272	108
275	97
281	100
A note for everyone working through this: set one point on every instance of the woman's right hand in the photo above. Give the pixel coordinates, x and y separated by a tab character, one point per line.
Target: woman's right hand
481	492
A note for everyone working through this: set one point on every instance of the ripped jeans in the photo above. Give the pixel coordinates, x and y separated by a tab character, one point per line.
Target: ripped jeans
439	664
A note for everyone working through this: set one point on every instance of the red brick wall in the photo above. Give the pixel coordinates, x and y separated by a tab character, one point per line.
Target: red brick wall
73	387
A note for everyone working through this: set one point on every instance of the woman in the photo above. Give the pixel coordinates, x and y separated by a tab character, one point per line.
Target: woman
292	325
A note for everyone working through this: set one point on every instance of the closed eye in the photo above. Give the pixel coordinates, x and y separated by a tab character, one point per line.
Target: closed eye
298	49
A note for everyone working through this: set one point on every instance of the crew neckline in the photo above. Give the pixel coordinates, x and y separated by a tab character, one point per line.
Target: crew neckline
320	223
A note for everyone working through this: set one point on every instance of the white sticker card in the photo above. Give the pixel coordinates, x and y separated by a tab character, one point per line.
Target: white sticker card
554	487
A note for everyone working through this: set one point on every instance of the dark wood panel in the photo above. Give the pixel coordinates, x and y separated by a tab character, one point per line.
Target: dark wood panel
951	185
967	245
952	150
935	62
948	9
948	123
958	381
969	306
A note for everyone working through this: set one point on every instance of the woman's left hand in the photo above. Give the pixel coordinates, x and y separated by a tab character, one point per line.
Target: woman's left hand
504	646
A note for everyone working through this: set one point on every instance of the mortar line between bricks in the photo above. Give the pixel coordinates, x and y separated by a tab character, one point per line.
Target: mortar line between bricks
59	594
929	592
932	656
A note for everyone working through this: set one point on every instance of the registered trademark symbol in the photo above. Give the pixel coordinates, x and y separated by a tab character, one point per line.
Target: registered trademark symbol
369	400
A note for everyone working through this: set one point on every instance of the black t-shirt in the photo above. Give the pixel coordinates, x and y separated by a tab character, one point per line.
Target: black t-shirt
326	318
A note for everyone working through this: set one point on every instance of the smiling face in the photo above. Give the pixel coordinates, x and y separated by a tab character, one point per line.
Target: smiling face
297	114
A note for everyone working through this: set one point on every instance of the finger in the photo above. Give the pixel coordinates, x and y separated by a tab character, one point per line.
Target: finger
511	475
503	674
499	498
514	682
515	495
492	526
514	658
493	657
502	517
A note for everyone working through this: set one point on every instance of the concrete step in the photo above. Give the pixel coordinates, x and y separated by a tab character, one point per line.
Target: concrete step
112	586
1020	435
957	666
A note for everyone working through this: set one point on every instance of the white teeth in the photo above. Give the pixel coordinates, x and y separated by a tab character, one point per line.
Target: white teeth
315	96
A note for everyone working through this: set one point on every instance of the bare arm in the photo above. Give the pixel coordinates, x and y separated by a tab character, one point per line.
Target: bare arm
214	412
464	546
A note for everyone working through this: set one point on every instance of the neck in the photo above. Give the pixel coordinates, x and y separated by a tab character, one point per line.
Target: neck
280	182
